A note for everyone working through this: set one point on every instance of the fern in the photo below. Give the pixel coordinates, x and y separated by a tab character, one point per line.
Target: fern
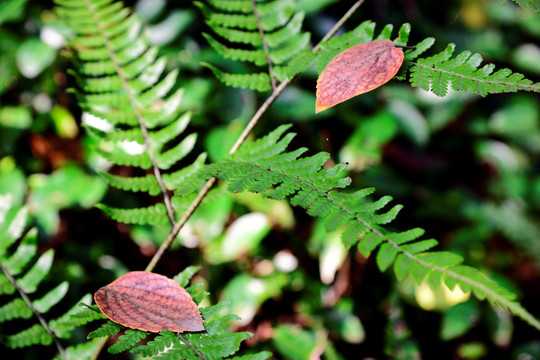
463	72
22	276
264	167
122	80
265	34
216	342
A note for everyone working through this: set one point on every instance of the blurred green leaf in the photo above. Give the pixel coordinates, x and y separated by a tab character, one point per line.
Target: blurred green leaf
294	343
247	293
11	10
244	235
459	319
295	104
171	27
15	117
472	350
519	118
12	180
364	147
527	58
279	212
220	140
342	322
33	56
64	122
66	187
411	120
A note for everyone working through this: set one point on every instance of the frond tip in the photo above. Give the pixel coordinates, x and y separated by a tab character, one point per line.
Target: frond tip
440	72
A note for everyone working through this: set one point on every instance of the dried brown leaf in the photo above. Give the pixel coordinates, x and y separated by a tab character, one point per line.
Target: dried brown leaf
357	70
149	302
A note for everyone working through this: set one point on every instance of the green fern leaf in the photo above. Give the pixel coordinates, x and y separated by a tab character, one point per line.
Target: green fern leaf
259	82
155	214
440	72
15	309
35	335
185	276
165	339
271	38
146	183
108	329
33	277
127	341
25	252
52	298
75	317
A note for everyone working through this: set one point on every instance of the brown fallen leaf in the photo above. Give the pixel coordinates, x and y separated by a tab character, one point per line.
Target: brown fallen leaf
357	70
149	302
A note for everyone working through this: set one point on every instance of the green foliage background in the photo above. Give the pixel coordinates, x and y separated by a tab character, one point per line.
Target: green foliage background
465	168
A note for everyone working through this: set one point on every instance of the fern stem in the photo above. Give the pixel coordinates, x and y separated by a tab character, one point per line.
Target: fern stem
178	225
131	98
264	44
247	130
188	343
41	320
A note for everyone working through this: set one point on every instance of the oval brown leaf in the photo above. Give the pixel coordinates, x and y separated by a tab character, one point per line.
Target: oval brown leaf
357	70
149	302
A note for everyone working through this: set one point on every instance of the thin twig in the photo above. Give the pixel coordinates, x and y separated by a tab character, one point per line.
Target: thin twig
29	303
138	114
264	44
339	24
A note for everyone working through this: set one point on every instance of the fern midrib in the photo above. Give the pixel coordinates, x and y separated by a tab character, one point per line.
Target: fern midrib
193	348
264	44
37	314
490	294
131	98
461	76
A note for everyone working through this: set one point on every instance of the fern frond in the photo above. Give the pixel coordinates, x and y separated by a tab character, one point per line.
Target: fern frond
265	34
122	80
463	72
307	184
